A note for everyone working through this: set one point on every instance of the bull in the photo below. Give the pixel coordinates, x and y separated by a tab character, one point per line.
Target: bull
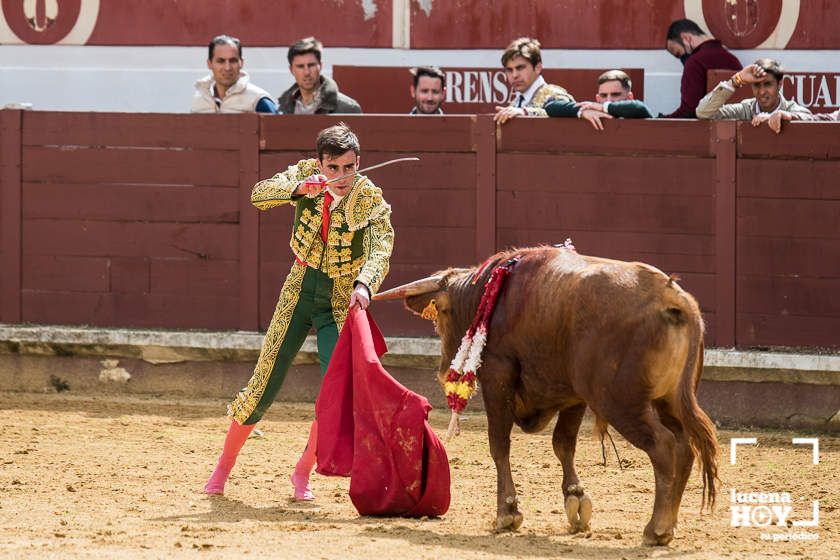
571	331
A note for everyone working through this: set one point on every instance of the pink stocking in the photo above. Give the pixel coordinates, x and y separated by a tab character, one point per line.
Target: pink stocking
300	478
236	436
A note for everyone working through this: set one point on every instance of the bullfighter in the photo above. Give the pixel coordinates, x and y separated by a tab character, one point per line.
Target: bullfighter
342	240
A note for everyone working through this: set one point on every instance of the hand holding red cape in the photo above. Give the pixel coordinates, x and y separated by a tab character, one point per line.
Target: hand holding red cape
376	431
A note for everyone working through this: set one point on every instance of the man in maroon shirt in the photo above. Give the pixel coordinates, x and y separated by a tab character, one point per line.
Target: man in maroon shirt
699	53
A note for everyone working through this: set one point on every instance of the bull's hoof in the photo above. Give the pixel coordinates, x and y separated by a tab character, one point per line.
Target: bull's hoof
585	511
509	522
574	490
652	537
572	509
578	513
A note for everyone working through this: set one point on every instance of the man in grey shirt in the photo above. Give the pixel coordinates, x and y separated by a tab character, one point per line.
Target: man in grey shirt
765	77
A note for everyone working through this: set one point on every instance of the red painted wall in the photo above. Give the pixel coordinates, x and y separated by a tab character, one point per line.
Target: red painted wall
615	24
164	22
145	220
579	24
566	24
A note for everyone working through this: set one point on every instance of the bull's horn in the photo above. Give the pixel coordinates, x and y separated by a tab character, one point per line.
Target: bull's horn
424	286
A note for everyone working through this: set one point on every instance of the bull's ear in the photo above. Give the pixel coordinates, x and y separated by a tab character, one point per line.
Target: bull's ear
427	305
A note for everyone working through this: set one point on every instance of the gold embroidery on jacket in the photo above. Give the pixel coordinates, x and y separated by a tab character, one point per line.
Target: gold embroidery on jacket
361	206
269	193
360	202
336	218
378	242
362	209
315	252
307	217
543	95
351	268
340	256
342	288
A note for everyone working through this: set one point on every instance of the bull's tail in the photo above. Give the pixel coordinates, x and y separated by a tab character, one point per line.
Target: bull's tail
702	435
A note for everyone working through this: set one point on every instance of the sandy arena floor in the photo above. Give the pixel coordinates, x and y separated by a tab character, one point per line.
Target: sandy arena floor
108	477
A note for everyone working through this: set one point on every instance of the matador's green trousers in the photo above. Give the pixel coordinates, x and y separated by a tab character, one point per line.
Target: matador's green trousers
308	298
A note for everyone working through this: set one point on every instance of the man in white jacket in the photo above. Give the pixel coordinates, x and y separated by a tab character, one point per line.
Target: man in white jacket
228	89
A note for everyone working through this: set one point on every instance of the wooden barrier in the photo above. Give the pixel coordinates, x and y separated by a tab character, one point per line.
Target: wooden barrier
615	193
788	211
145	220
131	219
10	208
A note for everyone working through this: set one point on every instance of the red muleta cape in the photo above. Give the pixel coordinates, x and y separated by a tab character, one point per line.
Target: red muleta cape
376	431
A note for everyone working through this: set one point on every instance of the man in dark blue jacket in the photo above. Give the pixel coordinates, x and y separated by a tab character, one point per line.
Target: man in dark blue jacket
614	99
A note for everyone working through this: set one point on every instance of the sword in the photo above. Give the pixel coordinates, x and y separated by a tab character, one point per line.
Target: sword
377	166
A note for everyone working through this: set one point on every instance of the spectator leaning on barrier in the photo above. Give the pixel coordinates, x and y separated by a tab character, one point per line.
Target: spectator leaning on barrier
765	77
312	93
699	53
228	88
428	90
523	67
615	99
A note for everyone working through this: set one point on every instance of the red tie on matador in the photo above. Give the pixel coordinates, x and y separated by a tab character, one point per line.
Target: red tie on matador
325	215
376	431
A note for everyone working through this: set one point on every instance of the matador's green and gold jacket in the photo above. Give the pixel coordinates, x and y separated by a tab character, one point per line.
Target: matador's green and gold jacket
360	237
